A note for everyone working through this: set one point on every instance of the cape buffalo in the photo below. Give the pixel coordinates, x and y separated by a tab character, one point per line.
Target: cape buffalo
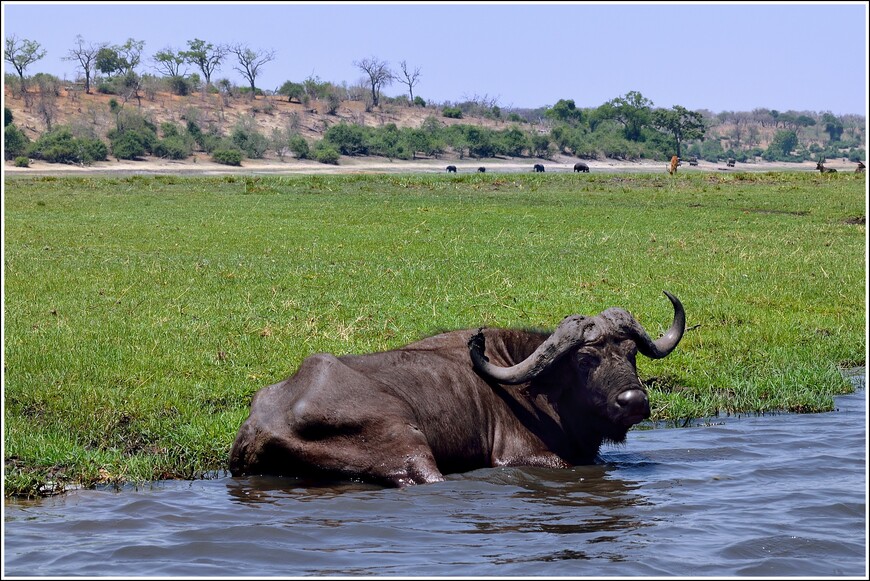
580	166
451	169
455	402
539	167
481	169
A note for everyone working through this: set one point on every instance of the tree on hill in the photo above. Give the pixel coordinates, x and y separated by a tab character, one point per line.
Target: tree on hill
21	53
206	56
169	62
119	62
379	75
86	56
410	78
565	111
292	91
250	62
121	59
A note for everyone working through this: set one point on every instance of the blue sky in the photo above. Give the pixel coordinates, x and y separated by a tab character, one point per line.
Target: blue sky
716	56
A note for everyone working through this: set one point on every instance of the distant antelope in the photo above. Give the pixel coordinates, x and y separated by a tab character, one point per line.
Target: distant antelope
675	161
823	169
860	168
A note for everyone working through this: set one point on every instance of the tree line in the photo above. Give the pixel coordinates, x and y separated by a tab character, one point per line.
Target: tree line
626	127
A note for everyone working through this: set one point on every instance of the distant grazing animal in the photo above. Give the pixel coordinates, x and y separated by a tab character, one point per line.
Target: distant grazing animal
823	169
731	161
481	169
580	166
539	167
860	168
675	161
455	402
451	169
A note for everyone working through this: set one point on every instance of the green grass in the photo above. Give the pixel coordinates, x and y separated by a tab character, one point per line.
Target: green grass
142	313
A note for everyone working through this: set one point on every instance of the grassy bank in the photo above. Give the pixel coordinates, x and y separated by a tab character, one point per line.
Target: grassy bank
142	313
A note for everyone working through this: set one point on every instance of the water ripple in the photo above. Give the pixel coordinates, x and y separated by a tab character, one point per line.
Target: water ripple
768	496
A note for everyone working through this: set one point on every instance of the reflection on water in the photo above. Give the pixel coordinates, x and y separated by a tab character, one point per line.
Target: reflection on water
782	495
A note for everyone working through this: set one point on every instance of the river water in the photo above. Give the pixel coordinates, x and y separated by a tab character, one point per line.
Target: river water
781	495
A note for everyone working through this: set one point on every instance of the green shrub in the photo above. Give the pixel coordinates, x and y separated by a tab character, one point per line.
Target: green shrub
7	116
347	139
106	88
480	143
93	149
541	146
780	149
247	91
128	145
292	91
180	86
512	142
173	147
452	112
250	141
227	156
325	153
134	135
194	131
15	141
299	147
22	161
59	146
419	102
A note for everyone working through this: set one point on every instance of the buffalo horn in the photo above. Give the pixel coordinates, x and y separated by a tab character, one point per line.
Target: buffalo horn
667	342
570	333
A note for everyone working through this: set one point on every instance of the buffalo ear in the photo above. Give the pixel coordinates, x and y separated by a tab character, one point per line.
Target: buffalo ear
477	345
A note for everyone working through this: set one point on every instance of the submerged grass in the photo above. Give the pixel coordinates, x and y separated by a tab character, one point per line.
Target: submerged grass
142	313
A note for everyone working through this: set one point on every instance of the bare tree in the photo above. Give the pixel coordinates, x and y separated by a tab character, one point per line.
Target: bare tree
46	103
410	78
379	75
86	56
250	62
21	53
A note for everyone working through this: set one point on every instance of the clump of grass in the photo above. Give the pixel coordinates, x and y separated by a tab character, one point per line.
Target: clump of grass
142	314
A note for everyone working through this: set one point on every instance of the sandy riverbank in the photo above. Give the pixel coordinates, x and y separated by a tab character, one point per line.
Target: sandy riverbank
201	165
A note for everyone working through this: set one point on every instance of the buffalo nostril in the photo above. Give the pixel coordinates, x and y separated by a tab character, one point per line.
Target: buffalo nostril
633	400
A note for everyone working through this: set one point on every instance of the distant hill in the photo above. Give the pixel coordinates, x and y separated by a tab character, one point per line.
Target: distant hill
66	104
